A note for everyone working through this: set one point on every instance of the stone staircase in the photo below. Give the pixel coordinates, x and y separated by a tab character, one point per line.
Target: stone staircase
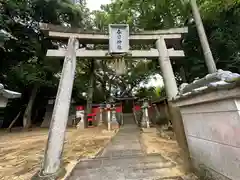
126	168
128	119
125	159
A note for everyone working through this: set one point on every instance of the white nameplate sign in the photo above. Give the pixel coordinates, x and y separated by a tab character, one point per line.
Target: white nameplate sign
118	38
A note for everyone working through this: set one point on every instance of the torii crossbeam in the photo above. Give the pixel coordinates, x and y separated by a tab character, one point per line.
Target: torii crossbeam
172	38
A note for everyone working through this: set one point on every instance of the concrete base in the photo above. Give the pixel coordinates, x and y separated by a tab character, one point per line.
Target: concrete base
58	175
80	125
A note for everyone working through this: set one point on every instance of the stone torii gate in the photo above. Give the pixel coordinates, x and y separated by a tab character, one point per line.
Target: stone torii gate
168	44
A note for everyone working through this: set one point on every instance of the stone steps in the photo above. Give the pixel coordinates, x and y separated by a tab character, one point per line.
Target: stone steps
122	168
124	159
128	119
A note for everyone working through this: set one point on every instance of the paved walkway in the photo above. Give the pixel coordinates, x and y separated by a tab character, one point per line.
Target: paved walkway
124	159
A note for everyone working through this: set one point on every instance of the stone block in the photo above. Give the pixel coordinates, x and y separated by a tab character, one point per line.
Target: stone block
215	106
223	159
222	127
212	127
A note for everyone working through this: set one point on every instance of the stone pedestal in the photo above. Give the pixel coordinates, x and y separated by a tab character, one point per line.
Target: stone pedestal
81	122
145	121
211	121
114	122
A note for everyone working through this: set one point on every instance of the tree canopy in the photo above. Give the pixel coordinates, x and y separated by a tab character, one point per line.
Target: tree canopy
25	68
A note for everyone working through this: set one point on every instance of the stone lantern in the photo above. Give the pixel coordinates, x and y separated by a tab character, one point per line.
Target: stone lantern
145	122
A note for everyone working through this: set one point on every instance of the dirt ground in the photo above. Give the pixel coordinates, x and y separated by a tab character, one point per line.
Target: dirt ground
21	153
162	142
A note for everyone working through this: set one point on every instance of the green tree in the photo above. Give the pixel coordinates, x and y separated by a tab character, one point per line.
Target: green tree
219	18
24	66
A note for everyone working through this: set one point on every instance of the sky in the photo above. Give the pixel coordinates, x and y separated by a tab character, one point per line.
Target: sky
95	5
155	81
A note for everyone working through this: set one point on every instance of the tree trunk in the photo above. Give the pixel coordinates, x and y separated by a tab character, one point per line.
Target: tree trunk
183	75
104	90
27	122
90	94
110	89
13	122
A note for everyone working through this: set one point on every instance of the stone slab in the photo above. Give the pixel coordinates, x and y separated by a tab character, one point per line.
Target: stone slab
205	172
215	106
221	158
204	97
221	127
124	168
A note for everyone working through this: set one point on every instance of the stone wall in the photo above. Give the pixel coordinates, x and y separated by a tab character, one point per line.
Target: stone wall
152	114
212	125
164	114
160	112
48	116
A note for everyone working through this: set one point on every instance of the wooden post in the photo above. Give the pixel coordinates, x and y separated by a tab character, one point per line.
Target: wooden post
54	148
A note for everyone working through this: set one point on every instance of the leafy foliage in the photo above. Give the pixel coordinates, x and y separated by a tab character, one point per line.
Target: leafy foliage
23	64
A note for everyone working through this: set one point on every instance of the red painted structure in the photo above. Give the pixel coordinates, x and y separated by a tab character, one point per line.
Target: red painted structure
137	108
119	109
95	110
80	108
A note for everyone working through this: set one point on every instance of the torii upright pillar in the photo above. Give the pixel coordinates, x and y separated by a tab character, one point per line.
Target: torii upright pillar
166	68
172	91
54	148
